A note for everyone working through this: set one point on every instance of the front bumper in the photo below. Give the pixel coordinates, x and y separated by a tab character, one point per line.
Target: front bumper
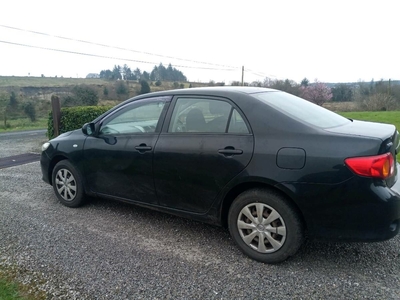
45	167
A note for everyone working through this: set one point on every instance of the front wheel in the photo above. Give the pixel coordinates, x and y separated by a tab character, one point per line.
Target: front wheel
265	226
67	184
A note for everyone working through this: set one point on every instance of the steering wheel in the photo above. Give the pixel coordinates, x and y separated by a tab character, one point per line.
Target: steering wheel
108	130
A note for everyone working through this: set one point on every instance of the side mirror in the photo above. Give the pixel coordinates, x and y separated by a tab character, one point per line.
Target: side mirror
88	129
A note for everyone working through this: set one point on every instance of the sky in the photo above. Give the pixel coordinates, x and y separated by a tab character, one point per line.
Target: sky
332	41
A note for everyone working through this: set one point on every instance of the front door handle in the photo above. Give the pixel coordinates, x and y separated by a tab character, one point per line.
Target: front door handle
229	151
143	148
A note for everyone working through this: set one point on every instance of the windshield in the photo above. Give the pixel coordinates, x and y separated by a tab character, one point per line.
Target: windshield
301	109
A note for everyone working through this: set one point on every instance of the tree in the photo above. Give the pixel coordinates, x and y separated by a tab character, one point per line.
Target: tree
305	82
137	73
30	110
121	88
13	100
287	85
127	72
145	75
317	92
4	107
116	73
342	92
145	88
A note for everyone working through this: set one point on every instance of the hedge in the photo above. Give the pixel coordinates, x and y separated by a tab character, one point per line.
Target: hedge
74	117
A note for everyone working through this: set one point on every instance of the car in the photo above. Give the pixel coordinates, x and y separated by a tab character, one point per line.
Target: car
269	166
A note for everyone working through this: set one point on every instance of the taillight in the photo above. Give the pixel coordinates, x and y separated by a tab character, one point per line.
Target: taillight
379	166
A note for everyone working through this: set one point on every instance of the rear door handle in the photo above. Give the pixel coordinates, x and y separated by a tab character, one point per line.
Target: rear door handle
143	148
229	151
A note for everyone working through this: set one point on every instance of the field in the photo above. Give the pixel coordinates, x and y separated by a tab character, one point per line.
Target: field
11	81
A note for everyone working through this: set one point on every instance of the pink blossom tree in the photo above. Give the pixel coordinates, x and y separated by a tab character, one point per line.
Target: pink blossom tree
316	92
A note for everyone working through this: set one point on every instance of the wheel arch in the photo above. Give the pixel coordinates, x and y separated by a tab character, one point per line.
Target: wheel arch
55	160
231	195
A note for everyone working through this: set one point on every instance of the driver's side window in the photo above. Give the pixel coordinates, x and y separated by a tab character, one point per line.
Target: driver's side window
134	119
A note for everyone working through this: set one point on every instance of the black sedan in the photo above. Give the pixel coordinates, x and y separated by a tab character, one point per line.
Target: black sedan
268	165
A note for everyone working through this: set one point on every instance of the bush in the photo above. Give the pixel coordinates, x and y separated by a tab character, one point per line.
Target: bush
82	95
74	117
158	83
121	88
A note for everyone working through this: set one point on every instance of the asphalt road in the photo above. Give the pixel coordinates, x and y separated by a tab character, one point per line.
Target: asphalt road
111	250
20	142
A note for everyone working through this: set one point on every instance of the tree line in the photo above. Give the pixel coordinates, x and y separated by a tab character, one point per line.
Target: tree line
373	95
159	73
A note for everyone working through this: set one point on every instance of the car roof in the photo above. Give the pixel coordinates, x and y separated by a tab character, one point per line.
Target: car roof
216	91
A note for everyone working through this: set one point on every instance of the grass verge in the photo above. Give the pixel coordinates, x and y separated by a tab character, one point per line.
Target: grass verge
24	124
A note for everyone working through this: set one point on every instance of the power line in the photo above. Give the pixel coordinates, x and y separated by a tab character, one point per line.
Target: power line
108	57
114	47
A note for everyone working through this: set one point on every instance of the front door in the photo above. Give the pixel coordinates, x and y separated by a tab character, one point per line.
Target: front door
119	160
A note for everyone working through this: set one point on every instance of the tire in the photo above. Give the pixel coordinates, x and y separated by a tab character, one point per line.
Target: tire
67	184
265	226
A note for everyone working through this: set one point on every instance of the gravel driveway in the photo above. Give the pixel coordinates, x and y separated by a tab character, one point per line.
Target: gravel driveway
111	250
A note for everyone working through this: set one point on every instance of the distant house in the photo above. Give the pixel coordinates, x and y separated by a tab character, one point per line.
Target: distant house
93	75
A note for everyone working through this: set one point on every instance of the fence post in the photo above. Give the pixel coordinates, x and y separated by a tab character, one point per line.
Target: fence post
56	111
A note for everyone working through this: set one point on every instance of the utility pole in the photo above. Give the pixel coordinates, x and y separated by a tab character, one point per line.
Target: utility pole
242	75
390	90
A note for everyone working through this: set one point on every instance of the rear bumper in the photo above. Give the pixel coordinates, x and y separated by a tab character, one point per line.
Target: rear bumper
396	186
359	209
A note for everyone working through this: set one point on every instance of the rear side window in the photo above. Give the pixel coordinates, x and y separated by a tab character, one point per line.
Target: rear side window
302	110
199	115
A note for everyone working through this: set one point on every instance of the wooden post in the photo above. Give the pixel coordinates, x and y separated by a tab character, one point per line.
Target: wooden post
242	75
56	111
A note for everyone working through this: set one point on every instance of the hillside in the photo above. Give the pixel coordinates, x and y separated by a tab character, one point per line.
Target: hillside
42	88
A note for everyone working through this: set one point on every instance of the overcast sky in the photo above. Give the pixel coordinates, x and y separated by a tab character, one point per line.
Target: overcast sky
334	41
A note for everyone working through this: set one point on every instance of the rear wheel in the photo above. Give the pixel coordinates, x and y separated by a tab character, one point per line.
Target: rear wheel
265	226
67	184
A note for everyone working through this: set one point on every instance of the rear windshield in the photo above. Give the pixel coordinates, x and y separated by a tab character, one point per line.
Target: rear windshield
301	109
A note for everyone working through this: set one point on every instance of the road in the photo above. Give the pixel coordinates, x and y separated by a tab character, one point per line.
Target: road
20	142
111	250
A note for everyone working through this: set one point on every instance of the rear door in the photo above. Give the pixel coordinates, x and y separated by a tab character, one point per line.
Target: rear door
206	143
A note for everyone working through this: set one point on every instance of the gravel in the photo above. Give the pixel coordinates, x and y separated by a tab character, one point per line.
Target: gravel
111	250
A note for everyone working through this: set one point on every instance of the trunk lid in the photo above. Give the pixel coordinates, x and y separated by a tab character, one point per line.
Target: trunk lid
387	133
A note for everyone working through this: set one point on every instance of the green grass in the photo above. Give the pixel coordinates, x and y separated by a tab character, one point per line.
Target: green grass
390	117
23	124
9	290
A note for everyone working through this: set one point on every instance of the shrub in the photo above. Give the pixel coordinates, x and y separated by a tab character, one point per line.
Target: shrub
121	88
379	102
82	95
158	83
145	88
74	117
